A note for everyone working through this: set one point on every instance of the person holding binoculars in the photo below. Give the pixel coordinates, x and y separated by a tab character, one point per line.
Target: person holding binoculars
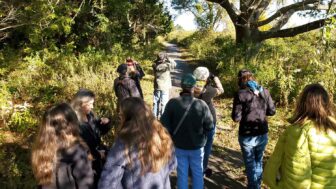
207	87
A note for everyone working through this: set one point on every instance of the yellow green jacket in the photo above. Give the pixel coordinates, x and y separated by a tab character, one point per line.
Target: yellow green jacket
303	158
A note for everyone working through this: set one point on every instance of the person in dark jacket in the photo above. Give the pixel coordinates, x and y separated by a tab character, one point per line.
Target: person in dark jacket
188	129
124	86
91	128
59	157
143	154
135	72
251	109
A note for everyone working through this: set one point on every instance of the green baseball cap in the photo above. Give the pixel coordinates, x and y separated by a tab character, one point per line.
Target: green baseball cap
188	81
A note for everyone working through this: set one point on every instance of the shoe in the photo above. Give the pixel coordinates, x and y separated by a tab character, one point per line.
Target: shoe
208	172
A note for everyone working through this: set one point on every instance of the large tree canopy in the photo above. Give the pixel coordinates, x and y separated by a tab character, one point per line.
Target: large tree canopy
249	15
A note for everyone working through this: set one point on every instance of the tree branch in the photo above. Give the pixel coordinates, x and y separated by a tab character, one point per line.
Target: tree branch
284	10
232	11
9	27
290	32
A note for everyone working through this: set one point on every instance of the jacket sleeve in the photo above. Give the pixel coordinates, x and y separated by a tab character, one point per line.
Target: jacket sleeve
236	114
273	164
208	119
140	71
165	118
104	128
162	67
82	170
133	89
270	111
114	168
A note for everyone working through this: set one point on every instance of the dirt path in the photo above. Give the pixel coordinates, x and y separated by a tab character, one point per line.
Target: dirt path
226	160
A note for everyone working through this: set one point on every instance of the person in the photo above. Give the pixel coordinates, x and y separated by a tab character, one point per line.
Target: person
135	71
188	120
91	128
207	87
162	83
304	156
251	112
124	86
143	154
60	159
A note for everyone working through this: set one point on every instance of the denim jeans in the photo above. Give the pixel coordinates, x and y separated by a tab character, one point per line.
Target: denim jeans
194	160
208	146
160	99
253	148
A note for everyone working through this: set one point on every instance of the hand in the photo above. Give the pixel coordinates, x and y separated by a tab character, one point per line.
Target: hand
104	120
212	76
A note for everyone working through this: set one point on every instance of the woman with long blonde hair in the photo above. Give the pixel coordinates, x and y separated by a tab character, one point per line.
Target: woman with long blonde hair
143	154
59	157
91	128
304	156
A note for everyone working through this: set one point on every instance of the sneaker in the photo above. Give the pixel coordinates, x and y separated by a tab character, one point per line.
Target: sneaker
208	172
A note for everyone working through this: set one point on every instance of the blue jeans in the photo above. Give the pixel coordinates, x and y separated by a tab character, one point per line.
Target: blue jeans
208	146
253	148
194	160
160	99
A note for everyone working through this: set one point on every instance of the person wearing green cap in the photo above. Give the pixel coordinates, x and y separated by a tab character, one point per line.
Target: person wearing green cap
188	121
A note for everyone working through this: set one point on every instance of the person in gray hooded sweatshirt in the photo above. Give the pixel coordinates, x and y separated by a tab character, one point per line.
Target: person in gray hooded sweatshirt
162	82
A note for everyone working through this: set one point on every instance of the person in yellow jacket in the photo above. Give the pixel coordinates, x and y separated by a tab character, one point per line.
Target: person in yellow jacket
305	155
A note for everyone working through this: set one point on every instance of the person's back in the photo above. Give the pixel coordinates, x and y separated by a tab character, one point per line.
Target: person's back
188	121
143	154
118	164
192	133
59	156
304	156
124	86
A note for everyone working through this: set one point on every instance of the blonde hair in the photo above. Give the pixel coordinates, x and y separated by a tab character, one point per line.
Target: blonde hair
81	97
314	104
59	130
140	128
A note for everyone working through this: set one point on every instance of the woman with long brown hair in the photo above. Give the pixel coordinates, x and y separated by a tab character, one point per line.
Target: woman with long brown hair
59	157
304	156
143	154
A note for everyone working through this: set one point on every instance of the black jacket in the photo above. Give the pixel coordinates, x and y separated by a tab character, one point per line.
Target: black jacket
73	169
91	132
192	133
251	111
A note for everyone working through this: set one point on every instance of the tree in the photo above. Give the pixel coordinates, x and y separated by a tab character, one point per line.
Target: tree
247	16
208	16
149	18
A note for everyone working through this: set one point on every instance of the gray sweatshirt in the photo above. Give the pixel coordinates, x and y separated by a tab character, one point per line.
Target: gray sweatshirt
118	174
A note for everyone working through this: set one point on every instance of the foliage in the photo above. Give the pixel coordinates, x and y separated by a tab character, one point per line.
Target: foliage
284	66
257	21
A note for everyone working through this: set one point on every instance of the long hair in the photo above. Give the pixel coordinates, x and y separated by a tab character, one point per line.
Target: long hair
81	97
314	104
141	131
59	130
244	76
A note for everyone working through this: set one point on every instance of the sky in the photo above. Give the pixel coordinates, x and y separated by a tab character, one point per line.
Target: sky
186	19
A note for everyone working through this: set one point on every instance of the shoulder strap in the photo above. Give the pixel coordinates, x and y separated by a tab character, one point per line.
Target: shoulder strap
183	117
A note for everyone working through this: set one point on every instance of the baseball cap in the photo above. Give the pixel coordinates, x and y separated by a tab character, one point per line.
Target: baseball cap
188	81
